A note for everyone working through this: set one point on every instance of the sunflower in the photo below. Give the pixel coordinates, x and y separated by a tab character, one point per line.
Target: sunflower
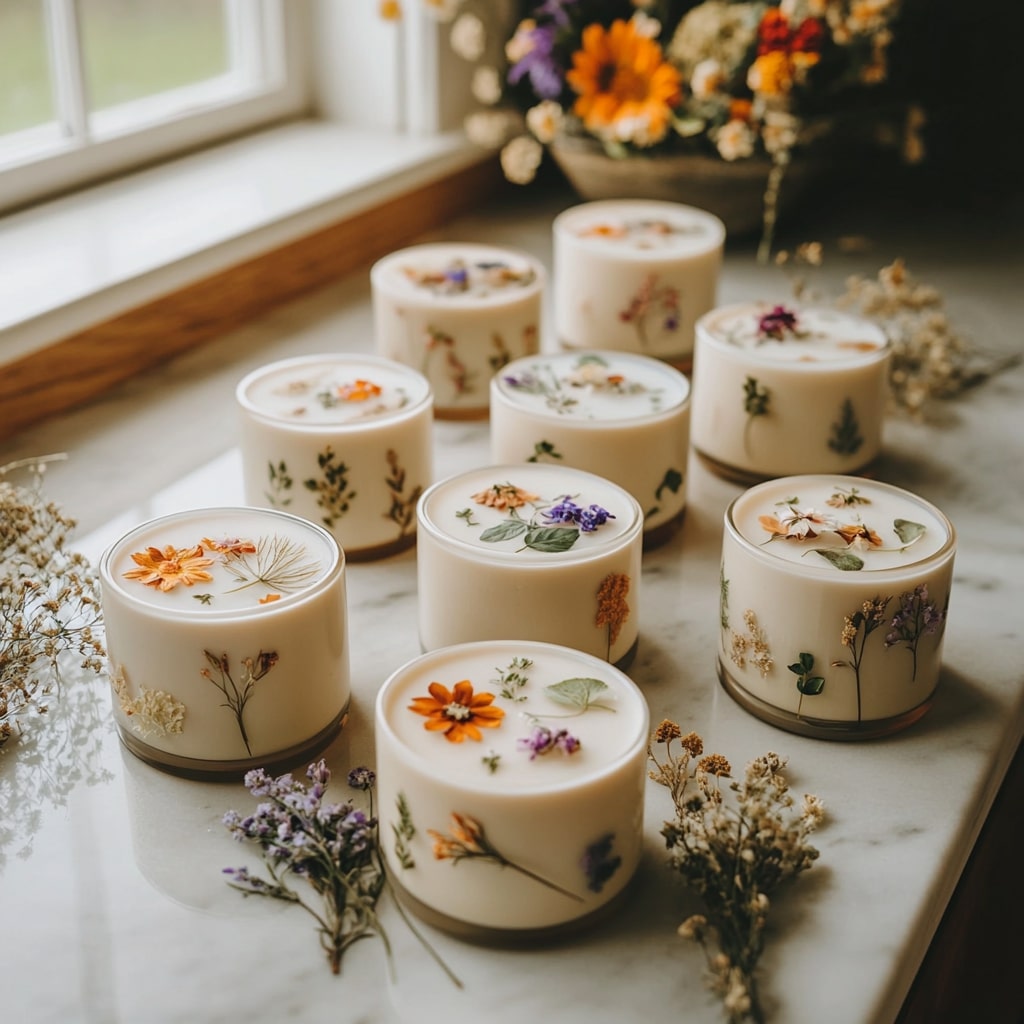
165	569
458	713
626	88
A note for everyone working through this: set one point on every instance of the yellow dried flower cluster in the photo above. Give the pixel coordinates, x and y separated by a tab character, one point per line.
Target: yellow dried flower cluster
49	599
734	852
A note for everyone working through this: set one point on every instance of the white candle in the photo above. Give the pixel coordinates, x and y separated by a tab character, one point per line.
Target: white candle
521	808
596	411
457	313
779	390
226	634
635	275
342	440
833	603
533	551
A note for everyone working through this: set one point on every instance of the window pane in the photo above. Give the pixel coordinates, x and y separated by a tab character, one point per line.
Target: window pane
26	99
136	48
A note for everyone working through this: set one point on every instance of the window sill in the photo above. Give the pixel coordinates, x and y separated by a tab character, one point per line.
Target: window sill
90	256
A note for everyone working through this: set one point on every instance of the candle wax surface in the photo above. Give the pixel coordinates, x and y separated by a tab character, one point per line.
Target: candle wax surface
595	386
222	560
794	518
594	703
340	391
637	229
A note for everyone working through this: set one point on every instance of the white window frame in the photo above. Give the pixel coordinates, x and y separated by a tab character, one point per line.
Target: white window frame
79	150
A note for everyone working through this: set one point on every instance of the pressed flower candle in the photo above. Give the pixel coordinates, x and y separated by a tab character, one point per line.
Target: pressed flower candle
510	778
226	634
833	604
635	275
342	440
534	551
780	390
457	313
622	416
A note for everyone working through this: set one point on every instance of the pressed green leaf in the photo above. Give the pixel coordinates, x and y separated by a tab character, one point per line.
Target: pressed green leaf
841	559
580	692
907	531
673	480
811	686
503	531
551	538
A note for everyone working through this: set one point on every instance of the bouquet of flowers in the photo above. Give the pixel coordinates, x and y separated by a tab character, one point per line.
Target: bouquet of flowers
731	78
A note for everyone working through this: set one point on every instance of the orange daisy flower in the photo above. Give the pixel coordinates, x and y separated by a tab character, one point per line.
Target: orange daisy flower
360	391
167	568
624	84
458	713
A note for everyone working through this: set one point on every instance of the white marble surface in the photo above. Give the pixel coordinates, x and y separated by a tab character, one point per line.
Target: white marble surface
114	908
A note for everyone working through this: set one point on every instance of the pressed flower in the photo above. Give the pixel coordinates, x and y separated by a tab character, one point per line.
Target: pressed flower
166	568
800	523
621	75
229	546
270	598
358	391
777	323
504	496
458	713
857	535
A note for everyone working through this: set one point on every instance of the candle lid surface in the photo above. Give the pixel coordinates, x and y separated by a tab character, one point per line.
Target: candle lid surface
333	390
513	716
594	387
222	562
634	228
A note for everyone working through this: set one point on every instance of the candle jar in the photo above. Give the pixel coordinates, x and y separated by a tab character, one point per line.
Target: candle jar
341	440
511	779
596	411
833	604
457	313
533	551
227	639
635	275
780	391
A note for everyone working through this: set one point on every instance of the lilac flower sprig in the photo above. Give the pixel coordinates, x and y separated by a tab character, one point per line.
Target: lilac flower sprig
916	617
543	740
333	846
587	519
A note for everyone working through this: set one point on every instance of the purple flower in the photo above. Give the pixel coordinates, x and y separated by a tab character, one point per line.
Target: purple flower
598	863
587	519
540	65
777	323
456	274
543	740
362	778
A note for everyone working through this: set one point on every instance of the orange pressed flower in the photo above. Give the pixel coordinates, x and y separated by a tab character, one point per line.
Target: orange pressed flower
458	713
230	546
359	391
603	231
857	535
504	496
270	598
465	839
626	88
165	569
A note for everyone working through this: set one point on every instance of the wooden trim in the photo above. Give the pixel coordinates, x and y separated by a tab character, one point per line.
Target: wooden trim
82	367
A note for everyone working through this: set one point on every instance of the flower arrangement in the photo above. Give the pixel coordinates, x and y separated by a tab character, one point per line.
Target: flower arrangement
734	851
49	598
730	78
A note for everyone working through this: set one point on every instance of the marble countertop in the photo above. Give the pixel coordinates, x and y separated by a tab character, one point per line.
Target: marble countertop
114	905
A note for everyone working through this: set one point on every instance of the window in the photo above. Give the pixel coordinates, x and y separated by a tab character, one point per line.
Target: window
90	87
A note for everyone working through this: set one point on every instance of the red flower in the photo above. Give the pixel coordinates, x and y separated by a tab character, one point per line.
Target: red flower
773	33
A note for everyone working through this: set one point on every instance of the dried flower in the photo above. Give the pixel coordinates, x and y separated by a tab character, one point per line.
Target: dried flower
735	853
459	713
587	519
543	740
504	496
49	599
333	847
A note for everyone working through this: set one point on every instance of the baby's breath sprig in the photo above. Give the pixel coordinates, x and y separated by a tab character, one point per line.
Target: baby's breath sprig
49	598
334	847
735	852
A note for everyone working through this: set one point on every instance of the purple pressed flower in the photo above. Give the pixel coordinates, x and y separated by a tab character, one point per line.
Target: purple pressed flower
916	617
587	519
543	740
457	275
598	863
362	778
777	323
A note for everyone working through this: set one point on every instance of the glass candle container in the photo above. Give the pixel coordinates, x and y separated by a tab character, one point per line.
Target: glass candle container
531	551
779	391
833	605
457	313
619	415
635	275
226	631
510	778
341	440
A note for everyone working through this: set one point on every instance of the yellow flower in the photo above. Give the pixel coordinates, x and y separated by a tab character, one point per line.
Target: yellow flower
623	82
458	713
771	74
165	569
